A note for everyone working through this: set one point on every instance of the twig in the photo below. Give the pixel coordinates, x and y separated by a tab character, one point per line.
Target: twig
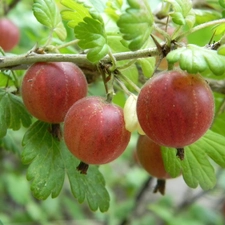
23	61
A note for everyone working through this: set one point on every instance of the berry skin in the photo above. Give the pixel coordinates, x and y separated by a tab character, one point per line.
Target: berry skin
9	34
150	157
94	131
175	108
50	89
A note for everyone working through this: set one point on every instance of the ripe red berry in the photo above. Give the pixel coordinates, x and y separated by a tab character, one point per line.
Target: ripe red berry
175	108
94	131
50	89
150	157
9	34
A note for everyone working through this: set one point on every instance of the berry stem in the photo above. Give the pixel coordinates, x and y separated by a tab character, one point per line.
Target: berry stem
82	167
180	153
160	186
55	131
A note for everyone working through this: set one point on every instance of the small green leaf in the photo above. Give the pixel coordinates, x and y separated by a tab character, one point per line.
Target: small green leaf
46	12
196	167
172	165
196	59
91	35
75	13
136	24
147	66
49	159
12	113
181	9
113	7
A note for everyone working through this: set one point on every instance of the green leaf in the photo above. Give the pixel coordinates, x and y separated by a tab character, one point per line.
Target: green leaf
49	159
47	13
91	35
196	59
222	3
90	186
6	79
203	15
136	24
12	113
181	9
113	7
9	143
219	29
75	13
196	167
88	28
221	50
147	66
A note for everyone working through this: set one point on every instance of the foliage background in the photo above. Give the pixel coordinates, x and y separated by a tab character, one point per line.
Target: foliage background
130	188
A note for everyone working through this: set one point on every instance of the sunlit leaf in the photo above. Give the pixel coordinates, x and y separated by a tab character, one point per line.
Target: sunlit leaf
136	24
113	8
91	35
181	10
47	13
75	13
196	59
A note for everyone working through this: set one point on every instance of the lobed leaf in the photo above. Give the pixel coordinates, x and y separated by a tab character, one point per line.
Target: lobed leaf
196	167
113	7
47	13
196	59
49	159
75	13
90	186
181	10
88	28
91	35
12	113
136	24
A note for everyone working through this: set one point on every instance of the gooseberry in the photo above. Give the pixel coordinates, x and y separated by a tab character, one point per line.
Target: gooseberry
150	157
175	108
9	34
50	89
94	130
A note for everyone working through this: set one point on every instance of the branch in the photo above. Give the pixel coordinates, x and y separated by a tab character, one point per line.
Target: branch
23	61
